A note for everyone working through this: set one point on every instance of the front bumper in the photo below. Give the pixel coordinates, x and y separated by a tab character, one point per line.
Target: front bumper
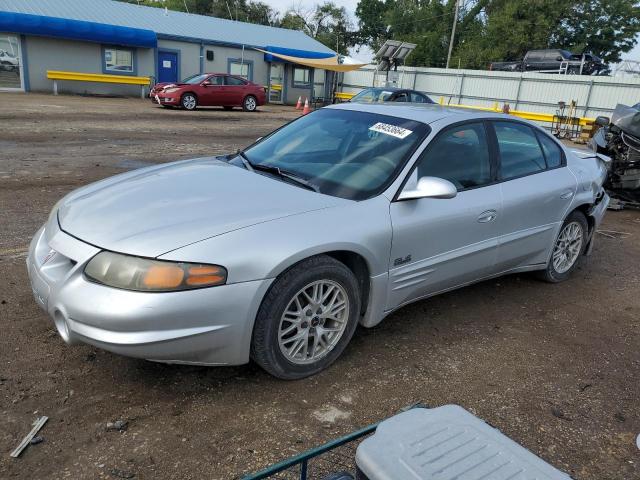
164	100
209	326
597	212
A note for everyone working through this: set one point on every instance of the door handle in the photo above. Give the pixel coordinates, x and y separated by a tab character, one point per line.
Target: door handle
566	195
487	216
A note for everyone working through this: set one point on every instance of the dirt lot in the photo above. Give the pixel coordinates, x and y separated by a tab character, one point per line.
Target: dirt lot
555	367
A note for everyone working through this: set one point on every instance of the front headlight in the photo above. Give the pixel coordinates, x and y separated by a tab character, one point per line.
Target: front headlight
146	275
171	90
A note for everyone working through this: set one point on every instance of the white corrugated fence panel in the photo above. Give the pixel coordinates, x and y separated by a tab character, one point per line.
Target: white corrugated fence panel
534	92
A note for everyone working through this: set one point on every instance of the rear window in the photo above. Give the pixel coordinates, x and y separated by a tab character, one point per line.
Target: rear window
552	152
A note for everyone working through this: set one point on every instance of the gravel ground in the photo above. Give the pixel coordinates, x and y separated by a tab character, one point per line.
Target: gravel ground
555	367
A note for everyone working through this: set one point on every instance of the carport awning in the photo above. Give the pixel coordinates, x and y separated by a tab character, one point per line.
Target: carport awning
326	61
76	30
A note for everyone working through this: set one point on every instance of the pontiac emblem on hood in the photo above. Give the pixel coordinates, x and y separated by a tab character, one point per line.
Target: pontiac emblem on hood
50	255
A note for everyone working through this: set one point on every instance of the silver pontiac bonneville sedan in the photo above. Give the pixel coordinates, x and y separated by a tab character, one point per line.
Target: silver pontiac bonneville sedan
277	252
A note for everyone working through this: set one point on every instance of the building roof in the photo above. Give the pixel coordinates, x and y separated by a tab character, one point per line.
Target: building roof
167	24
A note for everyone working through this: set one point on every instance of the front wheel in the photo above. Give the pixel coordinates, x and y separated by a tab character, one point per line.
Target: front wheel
189	101
306	319
250	103
568	247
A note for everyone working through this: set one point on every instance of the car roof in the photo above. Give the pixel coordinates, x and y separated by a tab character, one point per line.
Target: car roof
421	112
394	89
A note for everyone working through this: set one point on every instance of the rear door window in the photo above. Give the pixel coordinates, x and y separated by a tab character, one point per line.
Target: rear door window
417	98
235	82
535	56
520	152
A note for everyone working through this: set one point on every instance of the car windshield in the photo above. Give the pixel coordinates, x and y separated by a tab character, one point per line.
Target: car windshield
195	79
372	95
344	153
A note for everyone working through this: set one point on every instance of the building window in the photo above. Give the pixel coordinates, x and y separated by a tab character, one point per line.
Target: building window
118	60
241	68
301	77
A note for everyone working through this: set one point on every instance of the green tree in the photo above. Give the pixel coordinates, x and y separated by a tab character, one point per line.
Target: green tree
326	22
492	30
607	28
372	22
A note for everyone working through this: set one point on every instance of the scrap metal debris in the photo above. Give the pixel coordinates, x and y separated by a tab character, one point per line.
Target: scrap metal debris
119	425
37	425
613	234
117	473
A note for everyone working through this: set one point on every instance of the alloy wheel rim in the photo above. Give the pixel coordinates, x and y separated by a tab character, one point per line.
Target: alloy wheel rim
313	322
250	103
189	102
568	247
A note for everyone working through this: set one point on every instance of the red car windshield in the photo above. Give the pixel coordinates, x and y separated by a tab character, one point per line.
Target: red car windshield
195	79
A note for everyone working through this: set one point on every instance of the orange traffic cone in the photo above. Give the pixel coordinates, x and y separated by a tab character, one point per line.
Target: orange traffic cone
306	108
299	104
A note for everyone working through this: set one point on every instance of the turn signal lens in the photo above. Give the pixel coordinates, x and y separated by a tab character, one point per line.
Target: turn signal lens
147	275
205	275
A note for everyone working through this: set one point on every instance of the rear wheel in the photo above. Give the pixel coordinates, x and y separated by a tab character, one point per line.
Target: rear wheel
568	248
249	103
189	101
306	319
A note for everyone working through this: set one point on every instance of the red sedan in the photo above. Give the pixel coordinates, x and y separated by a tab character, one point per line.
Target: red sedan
211	90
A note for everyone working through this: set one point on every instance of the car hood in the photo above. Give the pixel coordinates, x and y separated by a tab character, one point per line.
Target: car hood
154	210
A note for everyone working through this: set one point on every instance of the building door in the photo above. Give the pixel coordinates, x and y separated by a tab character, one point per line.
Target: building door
319	78
276	82
10	63
167	66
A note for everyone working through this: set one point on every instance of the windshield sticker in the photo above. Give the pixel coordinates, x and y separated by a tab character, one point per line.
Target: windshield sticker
392	130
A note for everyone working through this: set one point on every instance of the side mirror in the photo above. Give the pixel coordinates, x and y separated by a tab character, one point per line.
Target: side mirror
602	121
430	187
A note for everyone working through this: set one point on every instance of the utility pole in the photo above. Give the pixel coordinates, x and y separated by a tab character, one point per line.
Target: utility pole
453	32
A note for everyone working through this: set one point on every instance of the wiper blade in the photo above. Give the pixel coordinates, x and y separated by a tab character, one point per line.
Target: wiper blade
252	167
285	174
245	161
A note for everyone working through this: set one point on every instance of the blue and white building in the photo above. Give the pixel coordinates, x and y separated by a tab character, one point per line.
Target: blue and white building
109	37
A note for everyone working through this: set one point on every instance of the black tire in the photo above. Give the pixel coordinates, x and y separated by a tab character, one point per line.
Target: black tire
189	101
227	108
250	103
550	274
265	350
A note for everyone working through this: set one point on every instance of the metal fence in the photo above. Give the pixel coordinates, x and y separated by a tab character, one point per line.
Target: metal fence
534	92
